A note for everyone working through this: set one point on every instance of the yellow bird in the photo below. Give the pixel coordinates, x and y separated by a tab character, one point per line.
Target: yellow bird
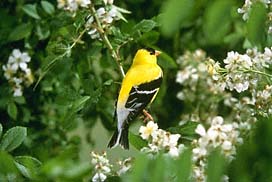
139	88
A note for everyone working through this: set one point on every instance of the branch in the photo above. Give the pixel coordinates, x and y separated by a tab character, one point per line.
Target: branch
105	39
53	62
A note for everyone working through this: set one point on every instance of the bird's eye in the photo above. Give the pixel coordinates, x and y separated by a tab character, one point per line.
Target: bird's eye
151	51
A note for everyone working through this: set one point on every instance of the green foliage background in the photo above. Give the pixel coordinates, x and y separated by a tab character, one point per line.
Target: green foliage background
43	132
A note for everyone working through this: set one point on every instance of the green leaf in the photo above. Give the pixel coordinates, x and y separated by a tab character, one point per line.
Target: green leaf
27	165
12	110
95	95
19	100
187	130
20	32
137	141
31	10
217	21
13	138
175	12
167	61
48	7
108	82
216	165
1	130
256	24
79	103
42	32
7	165
184	166
144	26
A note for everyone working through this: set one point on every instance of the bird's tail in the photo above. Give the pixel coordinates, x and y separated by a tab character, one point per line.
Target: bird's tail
120	138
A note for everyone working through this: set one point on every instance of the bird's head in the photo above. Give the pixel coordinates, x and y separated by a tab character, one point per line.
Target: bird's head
146	56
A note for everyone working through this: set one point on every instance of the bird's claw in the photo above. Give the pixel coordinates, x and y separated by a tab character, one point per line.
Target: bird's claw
147	116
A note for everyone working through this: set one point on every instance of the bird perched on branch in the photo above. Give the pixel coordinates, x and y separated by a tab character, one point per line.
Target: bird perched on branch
139	88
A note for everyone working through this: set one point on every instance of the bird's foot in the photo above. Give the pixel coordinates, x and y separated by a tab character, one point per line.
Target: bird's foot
147	116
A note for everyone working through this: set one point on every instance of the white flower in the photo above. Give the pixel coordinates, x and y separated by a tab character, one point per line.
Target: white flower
173	152
227	145
217	120
73	5
101	12
18	91
18	60
8	71
173	140
125	166
200	130
148	130
83	3
108	1
99	177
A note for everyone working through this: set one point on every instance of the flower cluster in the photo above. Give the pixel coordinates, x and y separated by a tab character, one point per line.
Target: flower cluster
222	135
212	91
237	66
197	78
262	100
124	166
160	140
17	72
243	71
106	16
103	168
73	5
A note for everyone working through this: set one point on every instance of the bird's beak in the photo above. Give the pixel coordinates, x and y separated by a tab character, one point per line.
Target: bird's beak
157	53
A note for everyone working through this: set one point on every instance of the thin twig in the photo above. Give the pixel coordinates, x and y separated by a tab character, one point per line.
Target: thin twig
52	63
104	36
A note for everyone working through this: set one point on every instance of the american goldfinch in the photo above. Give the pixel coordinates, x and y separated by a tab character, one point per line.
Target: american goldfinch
139	88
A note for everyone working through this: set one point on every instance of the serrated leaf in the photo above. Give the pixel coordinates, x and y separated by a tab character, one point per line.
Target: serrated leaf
31	10
79	103
42	32
7	165
137	141
217	21
144	26
48	7
174	13
256	24
108	82
12	110
13	138
19	100
188	129
20	32
27	165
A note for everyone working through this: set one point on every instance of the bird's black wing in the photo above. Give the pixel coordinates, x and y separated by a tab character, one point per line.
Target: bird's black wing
140	96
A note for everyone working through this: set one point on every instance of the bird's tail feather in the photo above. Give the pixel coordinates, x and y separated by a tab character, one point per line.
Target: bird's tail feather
120	138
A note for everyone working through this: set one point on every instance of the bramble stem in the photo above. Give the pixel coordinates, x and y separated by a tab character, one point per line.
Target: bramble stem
105	39
52	63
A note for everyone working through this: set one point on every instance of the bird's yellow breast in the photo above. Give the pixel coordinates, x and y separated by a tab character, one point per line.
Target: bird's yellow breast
136	75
